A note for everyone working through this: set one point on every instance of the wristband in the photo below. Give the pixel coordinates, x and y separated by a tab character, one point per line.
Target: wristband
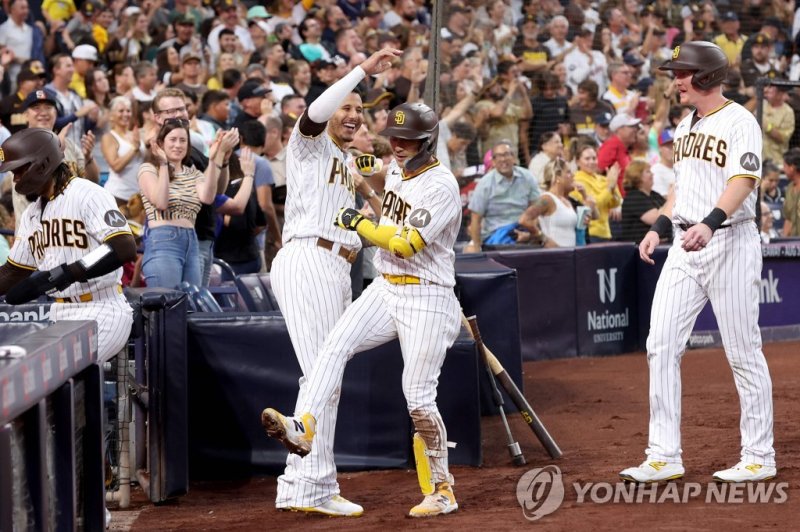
662	226
715	218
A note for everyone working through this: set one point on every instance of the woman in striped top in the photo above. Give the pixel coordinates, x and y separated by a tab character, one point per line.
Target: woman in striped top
172	194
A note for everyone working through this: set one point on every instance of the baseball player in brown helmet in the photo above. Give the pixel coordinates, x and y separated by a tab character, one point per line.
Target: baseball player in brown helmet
412	300
716	258
71	242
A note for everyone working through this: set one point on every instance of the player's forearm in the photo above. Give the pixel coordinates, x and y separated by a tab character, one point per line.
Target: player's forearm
91	171
735	193
475	229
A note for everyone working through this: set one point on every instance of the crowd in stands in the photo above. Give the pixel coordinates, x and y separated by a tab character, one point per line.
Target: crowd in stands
554	116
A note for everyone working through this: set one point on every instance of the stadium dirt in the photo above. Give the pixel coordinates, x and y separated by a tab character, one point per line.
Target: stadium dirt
597	410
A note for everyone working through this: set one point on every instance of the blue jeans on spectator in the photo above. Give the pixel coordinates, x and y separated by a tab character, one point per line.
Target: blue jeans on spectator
171	256
206	260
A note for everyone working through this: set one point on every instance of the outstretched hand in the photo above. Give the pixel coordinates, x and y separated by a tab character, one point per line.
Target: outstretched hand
380	61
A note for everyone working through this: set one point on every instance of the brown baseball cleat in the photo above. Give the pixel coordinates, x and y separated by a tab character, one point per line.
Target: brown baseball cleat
295	433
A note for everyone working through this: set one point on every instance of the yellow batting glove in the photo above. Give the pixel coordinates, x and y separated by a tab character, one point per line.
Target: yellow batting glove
368	165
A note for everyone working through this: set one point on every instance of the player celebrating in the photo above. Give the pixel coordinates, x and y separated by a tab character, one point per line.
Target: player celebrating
412	301
715	256
311	273
71	243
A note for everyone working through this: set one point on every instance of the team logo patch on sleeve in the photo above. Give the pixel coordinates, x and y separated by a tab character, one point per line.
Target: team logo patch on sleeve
419	218
750	161
115	218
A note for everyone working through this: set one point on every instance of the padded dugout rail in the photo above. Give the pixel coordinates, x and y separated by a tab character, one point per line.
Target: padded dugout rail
242	363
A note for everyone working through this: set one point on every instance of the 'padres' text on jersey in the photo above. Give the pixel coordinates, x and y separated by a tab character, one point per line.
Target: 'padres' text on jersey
318	185
722	145
430	203
71	225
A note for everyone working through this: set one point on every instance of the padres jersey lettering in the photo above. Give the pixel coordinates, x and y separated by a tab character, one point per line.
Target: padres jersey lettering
340	175
58	233
700	146
394	208
318	185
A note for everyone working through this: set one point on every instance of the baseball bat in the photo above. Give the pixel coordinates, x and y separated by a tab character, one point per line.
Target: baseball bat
525	409
514	449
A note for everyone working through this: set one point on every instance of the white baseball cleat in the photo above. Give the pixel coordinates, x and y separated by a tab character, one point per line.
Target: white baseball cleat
440	502
744	472
295	433
652	471
336	506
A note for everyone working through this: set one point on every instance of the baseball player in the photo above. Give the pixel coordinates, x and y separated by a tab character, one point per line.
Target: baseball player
71	243
716	257
311	273
413	300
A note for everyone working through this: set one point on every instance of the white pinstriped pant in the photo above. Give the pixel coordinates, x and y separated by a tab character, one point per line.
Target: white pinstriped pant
312	287
426	319
727	273
113	315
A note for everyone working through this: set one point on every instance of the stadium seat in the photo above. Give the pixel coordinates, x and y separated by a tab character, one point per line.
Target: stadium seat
205	301
221	271
254	294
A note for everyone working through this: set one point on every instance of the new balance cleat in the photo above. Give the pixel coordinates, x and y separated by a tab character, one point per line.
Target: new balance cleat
652	471
744	472
440	502
295	433
336	506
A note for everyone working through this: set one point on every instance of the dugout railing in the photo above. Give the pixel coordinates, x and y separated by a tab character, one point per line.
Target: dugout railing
51	440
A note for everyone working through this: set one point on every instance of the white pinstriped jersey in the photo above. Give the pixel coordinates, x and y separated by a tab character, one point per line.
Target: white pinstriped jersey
318	185
71	225
430	202
725	143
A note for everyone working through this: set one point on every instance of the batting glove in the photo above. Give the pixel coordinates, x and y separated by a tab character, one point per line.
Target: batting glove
348	219
368	165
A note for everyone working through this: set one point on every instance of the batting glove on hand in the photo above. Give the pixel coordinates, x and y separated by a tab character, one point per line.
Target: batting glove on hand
368	165
37	284
348	219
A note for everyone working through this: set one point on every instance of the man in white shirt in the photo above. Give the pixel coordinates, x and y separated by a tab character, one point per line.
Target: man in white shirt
16	35
584	63
618	94
227	13
558	43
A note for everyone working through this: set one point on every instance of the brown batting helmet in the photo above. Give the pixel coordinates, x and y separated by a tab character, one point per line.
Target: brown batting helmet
707	60
37	148
414	121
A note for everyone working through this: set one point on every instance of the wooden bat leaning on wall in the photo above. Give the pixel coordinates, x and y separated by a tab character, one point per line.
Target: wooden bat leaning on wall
525	409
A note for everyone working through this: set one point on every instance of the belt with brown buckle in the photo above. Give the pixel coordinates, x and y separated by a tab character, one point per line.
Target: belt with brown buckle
347	254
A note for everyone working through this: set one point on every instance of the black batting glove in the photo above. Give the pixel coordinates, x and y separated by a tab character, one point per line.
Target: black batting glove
348	219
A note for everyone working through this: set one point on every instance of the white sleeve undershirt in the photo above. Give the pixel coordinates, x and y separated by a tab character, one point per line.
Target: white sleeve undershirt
321	110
